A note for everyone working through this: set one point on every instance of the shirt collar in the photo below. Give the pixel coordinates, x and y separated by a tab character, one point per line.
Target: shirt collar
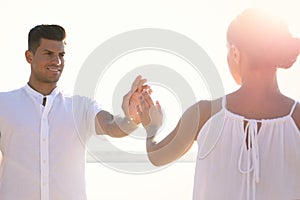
38	96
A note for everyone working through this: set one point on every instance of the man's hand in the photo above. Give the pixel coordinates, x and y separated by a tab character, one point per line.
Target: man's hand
131	100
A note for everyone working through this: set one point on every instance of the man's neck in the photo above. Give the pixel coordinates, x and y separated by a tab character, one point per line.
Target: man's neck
44	89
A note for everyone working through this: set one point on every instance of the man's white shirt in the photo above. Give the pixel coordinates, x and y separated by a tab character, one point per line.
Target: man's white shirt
44	147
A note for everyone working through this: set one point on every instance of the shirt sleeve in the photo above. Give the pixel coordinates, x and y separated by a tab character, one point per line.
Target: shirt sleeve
92	109
85	111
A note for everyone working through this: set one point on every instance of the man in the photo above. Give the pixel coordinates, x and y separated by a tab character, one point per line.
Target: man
43	131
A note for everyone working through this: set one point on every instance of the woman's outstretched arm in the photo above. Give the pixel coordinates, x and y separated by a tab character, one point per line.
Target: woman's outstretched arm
180	140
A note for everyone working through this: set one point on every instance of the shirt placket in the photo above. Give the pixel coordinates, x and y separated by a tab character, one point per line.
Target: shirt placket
44	153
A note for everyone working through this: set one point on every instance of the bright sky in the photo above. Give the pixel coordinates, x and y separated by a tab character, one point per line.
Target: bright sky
90	23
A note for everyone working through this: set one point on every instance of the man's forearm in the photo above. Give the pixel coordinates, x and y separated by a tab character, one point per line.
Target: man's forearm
114	126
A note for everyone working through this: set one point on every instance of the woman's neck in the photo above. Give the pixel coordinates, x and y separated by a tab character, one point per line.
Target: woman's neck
260	82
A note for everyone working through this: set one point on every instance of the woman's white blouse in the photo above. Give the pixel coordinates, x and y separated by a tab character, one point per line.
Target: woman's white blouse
266	169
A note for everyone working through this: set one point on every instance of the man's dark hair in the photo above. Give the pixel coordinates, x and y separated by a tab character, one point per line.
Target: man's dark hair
50	32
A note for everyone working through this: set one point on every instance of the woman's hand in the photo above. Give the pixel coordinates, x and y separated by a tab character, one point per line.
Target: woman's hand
151	115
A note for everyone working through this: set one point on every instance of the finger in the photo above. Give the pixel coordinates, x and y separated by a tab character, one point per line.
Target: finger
127	97
158	107
143	88
134	88
144	105
148	99
131	102
140	85
135	83
149	90
146	88
138	110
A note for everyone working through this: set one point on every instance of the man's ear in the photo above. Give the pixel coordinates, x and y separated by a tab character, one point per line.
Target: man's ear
29	56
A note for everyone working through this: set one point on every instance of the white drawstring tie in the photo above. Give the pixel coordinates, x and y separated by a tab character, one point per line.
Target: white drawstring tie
251	130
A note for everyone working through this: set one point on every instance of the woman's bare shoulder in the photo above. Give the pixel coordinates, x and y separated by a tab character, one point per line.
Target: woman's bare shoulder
296	115
210	107
207	108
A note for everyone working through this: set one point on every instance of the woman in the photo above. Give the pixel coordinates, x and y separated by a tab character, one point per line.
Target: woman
249	140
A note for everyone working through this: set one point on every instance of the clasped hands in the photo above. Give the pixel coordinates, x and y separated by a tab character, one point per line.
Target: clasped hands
140	108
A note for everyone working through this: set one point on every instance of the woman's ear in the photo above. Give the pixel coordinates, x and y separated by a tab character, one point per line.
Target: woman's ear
28	56
236	54
234	62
